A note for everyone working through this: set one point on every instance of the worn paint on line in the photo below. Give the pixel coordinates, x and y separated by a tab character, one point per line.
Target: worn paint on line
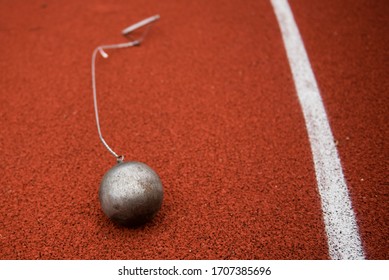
344	241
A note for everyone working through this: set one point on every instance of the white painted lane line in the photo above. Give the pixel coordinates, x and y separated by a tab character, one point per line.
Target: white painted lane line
341	227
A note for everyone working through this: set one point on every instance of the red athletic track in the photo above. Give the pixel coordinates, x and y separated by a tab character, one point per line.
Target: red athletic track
209	102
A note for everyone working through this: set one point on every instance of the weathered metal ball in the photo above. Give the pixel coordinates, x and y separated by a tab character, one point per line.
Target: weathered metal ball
131	193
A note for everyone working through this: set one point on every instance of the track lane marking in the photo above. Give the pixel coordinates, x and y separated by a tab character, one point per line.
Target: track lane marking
343	237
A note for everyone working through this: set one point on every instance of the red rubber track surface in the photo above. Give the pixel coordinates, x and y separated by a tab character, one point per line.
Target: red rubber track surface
347	45
208	101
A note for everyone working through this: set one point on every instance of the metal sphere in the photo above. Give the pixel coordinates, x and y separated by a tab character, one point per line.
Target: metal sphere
131	193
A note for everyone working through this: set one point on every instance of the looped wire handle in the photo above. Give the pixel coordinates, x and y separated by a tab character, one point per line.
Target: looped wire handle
101	50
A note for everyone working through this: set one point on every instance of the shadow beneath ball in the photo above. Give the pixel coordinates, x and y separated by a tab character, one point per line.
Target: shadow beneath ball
134	223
